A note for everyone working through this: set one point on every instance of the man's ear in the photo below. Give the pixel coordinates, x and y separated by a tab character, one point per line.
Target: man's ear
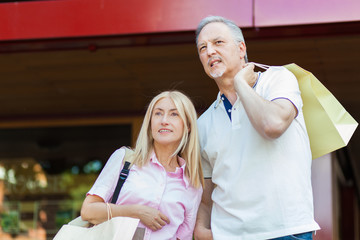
242	48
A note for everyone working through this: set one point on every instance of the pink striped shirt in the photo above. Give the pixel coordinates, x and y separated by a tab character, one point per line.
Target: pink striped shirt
151	185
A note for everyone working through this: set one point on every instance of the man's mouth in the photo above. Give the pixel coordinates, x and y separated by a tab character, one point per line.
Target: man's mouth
213	62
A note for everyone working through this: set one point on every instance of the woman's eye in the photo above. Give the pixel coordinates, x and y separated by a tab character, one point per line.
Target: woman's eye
157	113
174	114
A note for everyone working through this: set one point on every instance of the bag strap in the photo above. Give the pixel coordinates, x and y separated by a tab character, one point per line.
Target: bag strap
263	66
123	175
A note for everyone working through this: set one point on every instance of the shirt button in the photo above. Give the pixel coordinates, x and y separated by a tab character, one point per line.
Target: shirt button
222	98
234	108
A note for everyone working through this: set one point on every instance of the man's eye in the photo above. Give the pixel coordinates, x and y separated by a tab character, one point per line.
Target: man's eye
219	41
202	48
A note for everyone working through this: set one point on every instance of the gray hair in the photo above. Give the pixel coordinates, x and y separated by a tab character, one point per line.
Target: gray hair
234	29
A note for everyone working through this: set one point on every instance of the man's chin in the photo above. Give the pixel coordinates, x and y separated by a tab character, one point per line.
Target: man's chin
217	74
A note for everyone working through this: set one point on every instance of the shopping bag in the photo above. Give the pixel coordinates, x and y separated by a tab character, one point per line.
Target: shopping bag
328	124
116	228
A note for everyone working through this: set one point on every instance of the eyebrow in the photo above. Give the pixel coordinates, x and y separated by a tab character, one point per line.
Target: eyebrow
212	40
173	109
200	44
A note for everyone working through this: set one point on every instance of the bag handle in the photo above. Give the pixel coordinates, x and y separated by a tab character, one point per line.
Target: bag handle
263	66
123	175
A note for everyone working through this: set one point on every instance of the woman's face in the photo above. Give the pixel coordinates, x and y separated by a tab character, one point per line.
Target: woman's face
167	127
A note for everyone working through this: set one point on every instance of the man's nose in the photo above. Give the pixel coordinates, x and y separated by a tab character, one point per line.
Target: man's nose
210	49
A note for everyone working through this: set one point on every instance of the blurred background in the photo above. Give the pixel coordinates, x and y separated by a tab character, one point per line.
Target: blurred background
76	76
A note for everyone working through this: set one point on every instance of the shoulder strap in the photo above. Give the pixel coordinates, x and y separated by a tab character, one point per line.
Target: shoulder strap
123	175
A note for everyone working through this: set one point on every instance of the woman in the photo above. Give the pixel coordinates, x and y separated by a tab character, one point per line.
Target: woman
164	186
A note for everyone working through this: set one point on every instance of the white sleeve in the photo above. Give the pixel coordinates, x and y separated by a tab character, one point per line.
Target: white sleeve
105	184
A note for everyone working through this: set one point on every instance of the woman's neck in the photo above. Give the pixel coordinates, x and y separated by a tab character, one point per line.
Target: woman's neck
165	156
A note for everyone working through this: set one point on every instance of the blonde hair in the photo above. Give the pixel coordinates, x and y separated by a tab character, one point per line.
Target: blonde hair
188	149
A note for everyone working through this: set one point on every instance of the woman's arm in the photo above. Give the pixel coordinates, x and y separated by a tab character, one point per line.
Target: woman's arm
94	210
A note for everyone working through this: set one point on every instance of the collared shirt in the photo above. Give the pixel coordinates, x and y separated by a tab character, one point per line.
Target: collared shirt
151	185
227	104
263	186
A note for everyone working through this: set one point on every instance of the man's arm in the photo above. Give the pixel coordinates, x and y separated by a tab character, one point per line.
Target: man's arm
269	118
202	227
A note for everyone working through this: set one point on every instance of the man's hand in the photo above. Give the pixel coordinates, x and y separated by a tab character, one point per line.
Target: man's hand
246	74
202	233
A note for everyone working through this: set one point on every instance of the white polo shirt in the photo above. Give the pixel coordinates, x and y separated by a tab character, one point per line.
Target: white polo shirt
263	187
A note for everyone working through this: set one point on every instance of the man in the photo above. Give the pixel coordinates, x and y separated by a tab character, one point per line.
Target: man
254	146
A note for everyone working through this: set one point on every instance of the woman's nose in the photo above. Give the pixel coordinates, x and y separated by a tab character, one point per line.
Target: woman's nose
164	120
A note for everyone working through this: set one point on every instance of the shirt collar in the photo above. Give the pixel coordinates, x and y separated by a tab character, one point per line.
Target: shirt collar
179	172
257	80
219	100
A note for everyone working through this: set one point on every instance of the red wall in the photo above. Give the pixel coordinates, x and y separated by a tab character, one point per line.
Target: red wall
78	18
293	12
69	18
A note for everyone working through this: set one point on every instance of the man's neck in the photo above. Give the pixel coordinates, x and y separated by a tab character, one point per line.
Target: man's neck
231	96
226	86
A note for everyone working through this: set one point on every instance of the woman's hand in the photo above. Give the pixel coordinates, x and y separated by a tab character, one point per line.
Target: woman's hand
151	217
94	211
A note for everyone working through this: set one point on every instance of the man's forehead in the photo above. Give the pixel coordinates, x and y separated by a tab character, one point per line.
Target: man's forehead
215	27
213	31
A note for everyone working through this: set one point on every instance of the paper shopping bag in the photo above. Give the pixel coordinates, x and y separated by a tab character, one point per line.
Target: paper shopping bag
116	228
328	124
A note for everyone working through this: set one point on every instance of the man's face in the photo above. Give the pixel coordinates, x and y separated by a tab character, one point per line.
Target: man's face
219	54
